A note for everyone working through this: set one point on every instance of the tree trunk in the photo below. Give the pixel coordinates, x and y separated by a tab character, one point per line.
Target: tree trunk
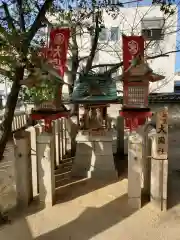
74	68
5	128
58	95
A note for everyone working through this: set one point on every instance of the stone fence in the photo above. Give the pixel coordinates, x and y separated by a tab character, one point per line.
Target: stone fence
148	166
20	120
38	155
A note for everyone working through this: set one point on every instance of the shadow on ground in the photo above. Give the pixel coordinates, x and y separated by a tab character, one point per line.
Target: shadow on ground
17	230
80	188
92	221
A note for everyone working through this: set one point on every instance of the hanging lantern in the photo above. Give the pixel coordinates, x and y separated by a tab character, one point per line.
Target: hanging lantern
136	77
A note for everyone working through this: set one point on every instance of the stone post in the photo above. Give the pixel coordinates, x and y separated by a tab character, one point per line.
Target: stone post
135	158
159	161
120	135
159	178
38	130
146	132
23	169
55	130
45	152
32	135
72	128
13	125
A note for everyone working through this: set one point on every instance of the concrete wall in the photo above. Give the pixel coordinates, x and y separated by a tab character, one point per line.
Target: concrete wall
173	109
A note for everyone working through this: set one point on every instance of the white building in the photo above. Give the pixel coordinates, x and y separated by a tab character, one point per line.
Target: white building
159	29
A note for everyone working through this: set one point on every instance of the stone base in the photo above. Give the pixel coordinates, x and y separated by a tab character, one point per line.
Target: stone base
134	203
94	158
160	204
45	153
135	174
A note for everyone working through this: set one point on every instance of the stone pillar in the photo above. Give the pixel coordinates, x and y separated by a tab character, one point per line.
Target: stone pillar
56	136
45	152
120	135
13	125
72	128
23	169
135	158
32	135
159	178
38	130
159	161
94	157
146	132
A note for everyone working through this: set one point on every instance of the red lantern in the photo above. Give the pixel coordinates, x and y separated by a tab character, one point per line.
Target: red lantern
136	77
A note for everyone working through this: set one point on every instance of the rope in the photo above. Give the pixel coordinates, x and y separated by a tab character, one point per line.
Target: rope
151	157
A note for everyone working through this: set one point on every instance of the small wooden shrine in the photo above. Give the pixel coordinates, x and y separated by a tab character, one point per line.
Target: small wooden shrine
94	154
94	93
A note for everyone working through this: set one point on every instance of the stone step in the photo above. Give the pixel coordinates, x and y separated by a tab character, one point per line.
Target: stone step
63	169
68	186
63	181
62	175
66	164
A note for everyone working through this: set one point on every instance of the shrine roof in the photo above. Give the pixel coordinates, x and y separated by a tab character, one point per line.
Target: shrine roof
107	88
164	98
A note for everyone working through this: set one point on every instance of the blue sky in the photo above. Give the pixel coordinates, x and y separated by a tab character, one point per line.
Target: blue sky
149	2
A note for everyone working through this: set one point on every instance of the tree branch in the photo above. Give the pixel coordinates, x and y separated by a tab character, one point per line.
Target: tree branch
37	22
108	65
94	44
162	54
75	56
120	64
21	16
9	19
45	18
83	58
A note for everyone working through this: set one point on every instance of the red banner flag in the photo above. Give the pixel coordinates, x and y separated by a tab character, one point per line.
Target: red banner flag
58	47
132	46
